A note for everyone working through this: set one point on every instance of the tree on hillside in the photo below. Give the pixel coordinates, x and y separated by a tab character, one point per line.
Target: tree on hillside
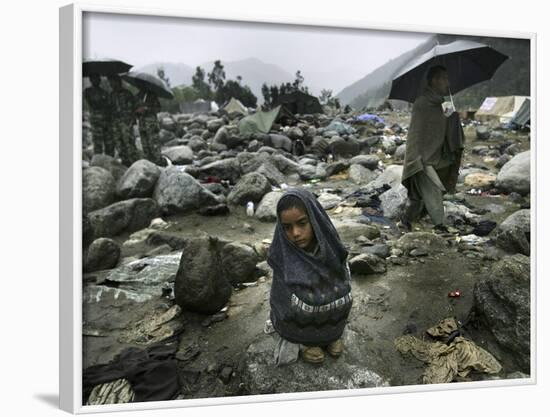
200	85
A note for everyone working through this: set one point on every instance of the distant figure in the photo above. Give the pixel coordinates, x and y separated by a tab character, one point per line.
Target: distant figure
100	117
433	152
124	106
310	295
298	147
149	128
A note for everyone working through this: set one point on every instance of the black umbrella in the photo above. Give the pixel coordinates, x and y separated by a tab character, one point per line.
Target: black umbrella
467	63
104	66
148	82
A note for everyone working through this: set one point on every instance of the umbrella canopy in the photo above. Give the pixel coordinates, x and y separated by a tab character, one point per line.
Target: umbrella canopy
148	82
467	63
104	66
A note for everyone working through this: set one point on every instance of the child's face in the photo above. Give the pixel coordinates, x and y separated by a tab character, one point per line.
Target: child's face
297	227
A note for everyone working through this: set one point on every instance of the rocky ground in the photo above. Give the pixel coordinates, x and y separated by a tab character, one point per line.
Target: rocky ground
172	251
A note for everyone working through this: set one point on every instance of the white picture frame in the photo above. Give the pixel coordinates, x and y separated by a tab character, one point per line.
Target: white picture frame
70	206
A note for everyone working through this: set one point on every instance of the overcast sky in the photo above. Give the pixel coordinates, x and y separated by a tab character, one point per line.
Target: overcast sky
346	54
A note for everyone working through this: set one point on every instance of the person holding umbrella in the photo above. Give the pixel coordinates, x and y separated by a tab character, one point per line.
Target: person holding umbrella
123	111
149	127
422	170
100	119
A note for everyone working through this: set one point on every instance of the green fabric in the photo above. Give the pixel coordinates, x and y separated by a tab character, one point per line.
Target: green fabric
426	134
425	194
260	122
235	106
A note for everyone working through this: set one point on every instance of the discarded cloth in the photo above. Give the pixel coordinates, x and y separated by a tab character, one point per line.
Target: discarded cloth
446	360
285	352
151	372
118	391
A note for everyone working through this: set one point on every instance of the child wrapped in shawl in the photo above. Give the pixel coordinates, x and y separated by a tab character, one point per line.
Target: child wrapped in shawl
311	290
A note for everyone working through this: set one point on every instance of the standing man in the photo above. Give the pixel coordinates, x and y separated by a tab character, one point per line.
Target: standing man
98	102
124	107
433	145
149	128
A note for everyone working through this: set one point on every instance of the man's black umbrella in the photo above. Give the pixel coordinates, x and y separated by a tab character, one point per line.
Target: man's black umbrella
148	82
104	66
467	63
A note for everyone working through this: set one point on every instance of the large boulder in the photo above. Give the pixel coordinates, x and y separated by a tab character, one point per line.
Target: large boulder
103	253
177	191
399	154
98	188
273	175
349	230
280	142
502	303
227	169
394	202
267	209
514	233
328	200
251	187
201	284
124	216
114	166
179	155
350	371
239	261
423	241
139	180
515	175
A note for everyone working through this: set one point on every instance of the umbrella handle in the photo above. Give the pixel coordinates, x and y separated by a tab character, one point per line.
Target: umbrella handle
452	102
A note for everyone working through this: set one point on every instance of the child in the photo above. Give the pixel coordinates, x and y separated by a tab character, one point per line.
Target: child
311	289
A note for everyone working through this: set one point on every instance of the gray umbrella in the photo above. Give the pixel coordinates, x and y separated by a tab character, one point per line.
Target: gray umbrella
148	82
467	63
104	66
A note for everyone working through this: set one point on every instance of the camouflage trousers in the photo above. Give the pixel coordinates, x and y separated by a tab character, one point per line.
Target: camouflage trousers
102	136
125	141
149	134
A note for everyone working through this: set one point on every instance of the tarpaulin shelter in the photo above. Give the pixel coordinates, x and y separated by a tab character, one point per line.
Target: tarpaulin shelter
523	115
235	106
500	109
261	121
367	117
299	102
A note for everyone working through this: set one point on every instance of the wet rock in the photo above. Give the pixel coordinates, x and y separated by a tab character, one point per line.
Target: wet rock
285	165
251	187
261	376
103	253
366	264
124	216
336	167
502	303
139	180
307	172
388	145
350	230
513	234
328	200
267	209
483	132
280	142
179	155
345	148
158	238
418	252
379	249
109	163
273	175
391	176
239	261
200	283
399	154
214	125
480	180
98	188
361	175
295	133
515	175
501	161
394	202
512	150
430	242
480	150
178	191
197	144
368	161
227	169
215	210
225	374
